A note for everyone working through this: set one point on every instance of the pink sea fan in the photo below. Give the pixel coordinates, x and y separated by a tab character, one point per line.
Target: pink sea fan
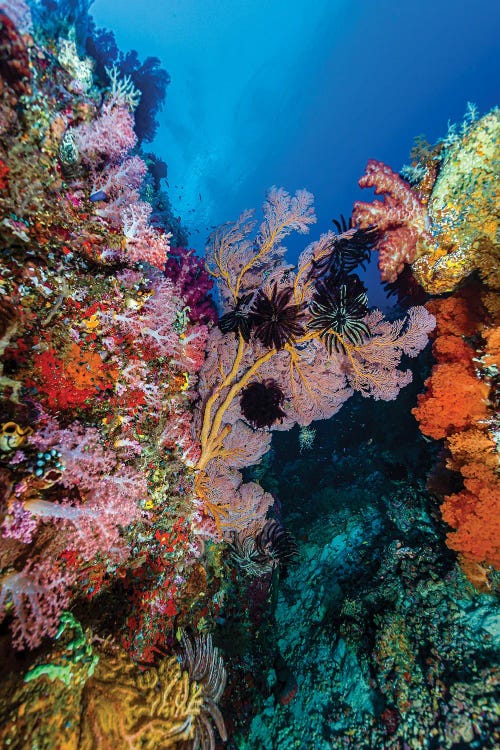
373	369
244	446
238	260
314	384
108	138
247	511
237	505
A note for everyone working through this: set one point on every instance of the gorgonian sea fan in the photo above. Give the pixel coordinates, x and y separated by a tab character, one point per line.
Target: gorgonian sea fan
338	307
276	321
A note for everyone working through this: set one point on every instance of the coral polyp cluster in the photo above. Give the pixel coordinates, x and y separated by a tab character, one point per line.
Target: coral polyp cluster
463	210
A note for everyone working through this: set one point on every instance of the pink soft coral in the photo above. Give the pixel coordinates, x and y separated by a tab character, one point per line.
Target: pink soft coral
38	594
400	217
142	241
108	138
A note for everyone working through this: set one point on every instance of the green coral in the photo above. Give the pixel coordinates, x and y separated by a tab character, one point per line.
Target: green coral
77	661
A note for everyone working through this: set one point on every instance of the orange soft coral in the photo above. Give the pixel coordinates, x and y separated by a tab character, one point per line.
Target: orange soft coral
475	514
459	315
469	448
454	400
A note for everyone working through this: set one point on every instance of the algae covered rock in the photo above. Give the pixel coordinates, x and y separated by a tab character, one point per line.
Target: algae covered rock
464	211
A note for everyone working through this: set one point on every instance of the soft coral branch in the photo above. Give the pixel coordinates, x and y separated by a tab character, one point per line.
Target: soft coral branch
400	217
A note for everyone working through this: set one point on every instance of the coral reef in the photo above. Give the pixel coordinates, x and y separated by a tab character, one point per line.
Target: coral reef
139	521
100	353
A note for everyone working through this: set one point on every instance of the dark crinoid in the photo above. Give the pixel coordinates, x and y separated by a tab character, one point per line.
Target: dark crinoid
261	403
259	555
276	543
346	253
276	321
337	309
238	320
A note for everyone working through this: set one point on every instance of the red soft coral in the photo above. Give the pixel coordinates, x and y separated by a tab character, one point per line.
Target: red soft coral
72	381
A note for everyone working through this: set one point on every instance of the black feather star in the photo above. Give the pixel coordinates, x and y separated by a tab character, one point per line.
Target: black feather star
346	253
261	403
238	320
337	308
277	543
276	321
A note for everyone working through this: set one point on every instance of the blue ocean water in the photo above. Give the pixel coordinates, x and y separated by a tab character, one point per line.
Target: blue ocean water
301	94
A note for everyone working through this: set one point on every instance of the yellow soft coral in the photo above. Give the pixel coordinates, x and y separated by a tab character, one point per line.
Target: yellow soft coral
126	708
464	210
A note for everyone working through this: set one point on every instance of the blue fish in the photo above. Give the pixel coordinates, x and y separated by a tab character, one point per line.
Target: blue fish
99	195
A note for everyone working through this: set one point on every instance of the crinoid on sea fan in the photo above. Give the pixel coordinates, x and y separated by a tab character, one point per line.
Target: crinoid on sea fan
337	308
261	403
238	320
276	321
349	249
258	555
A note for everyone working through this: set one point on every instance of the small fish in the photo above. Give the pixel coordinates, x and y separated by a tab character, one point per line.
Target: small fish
99	195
